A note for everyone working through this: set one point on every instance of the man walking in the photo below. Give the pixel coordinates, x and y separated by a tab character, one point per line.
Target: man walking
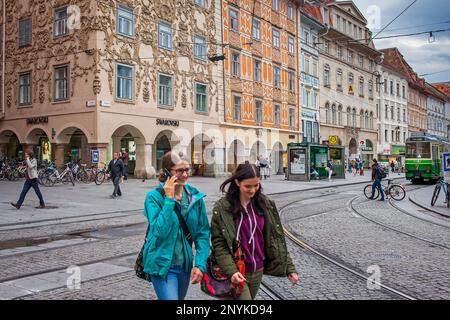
124	157
330	169
377	176
30	182
116	169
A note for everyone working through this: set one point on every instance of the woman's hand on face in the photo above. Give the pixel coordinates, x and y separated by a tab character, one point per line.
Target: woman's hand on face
237	278
169	187
293	278
196	275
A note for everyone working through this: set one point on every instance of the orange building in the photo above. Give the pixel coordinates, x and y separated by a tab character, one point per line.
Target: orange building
262	109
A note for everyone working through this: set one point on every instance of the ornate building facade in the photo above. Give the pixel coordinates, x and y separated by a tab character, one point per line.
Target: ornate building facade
85	76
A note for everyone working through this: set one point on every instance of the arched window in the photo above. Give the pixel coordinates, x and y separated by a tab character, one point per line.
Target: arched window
340	115
361	119
366	119
333	114
361	87
371	121
354	118
327	113
349	117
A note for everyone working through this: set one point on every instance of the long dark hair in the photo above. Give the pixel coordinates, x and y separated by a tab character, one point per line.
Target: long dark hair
244	171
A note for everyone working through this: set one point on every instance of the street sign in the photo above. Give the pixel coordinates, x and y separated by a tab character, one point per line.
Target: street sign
95	155
446	166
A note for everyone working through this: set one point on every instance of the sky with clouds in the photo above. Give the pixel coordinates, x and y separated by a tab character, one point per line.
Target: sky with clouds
424	15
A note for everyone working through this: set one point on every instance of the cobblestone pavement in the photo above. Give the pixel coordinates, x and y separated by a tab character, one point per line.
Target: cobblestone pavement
409	265
322	218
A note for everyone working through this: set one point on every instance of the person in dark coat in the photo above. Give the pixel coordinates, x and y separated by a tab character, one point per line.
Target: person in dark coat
116	169
376	177
124	157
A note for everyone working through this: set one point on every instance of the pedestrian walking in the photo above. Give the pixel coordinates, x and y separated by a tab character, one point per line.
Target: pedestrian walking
248	219
354	168
330	169
393	166
116	168
31	181
124	157
176	214
263	166
377	176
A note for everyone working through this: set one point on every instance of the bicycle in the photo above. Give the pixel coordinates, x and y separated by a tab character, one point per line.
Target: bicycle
441	184
393	190
65	177
101	175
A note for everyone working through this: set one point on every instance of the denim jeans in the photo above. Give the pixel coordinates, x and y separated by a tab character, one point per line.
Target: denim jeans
377	184
26	187
175	286
116	182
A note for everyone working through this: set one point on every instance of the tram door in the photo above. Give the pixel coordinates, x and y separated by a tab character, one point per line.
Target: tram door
436	158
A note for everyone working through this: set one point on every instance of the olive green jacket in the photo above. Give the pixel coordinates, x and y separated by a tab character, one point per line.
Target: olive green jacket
277	260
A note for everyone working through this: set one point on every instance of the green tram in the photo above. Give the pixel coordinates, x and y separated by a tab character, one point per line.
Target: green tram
424	157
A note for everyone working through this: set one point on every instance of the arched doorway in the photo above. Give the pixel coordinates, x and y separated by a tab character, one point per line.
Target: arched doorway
71	145
352	148
258	149
130	139
276	158
10	146
41	144
202	149
162	147
236	155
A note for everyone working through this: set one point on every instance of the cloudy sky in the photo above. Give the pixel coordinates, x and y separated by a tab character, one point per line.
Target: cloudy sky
424	15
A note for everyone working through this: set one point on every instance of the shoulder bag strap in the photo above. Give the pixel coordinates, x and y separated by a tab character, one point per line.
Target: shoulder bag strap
183	224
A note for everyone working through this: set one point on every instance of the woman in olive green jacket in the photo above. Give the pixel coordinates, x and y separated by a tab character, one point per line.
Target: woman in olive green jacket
246	216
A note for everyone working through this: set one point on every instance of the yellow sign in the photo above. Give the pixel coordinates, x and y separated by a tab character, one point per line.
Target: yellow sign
333	140
350	88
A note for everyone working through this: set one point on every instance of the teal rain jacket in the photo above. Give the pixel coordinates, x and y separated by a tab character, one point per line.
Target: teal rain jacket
164	226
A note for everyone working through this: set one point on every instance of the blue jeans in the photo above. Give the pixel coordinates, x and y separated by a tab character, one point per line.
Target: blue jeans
377	184
26	187
175	286
116	182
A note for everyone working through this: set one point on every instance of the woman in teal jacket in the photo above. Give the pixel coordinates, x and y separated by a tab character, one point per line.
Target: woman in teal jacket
167	255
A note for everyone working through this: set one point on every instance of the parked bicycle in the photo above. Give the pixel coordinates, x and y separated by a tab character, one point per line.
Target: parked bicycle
393	190
441	184
65	177
101	175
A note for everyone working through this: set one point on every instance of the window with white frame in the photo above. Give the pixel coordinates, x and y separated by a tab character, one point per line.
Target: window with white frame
306	37
25	32
371	89
292	117
350	56
291	45
344	25
165	86
237	108
326	75
350	78
258	111
339	79
276	5
307	64
291	11
201	97
361	61
200	2
256	29
276	38
61	83
277	77
200	47
291	75
234	20
165	35
326	46
257	70
125	21
25	89
60	23
339	52
235	71
315	68
124	80
277	115
361	87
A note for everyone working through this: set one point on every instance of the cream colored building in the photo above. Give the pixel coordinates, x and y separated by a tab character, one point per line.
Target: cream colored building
348	106
100	75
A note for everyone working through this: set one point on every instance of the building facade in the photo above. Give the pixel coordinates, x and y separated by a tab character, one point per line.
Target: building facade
436	123
310	75
347	92
261	80
105	75
444	88
393	108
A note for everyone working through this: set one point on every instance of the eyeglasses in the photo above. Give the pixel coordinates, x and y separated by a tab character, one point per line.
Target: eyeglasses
179	172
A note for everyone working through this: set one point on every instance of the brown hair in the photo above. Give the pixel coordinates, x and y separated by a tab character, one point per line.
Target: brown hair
170	160
30	154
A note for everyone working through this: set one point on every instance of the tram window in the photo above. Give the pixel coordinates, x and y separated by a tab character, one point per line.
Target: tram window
418	150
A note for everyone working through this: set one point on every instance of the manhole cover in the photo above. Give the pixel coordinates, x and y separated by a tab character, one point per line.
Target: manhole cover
47	207
382	255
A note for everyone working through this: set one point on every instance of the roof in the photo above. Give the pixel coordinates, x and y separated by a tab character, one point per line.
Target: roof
443	87
432	91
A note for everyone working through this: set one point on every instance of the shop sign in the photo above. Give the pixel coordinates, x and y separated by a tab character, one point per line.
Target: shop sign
95	155
37	120
333	140
166	122
398	150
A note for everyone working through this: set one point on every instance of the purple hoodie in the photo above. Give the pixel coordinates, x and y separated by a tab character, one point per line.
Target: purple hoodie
250	226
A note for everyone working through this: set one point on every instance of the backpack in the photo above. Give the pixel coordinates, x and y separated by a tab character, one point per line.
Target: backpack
382	172
263	164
